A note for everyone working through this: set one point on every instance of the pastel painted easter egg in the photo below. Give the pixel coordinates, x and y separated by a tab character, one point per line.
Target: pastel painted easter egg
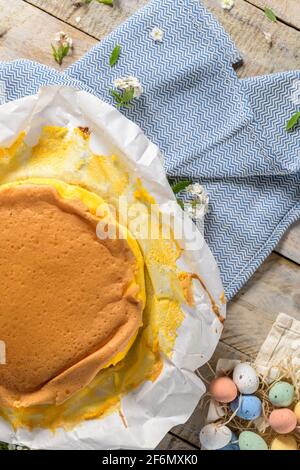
297	412
230	446
249	440
284	443
233	444
282	394
223	389
248	407
283	420
215	436
245	378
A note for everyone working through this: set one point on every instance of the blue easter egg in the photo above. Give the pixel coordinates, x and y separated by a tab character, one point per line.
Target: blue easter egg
233	444
250	407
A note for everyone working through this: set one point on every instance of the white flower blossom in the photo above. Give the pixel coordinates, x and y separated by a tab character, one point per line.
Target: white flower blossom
198	207
157	34
125	83
194	210
199	194
63	39
227	4
78	19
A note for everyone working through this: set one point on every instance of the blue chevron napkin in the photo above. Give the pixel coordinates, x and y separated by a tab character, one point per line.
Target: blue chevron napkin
226	133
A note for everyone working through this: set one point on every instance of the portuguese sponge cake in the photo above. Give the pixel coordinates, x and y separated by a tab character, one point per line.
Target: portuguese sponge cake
70	303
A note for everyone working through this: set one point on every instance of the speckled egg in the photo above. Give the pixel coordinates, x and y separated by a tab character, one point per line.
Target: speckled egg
283	420
249	440
284	443
233	444
223	389
249	407
245	378
297	412
215	436
282	394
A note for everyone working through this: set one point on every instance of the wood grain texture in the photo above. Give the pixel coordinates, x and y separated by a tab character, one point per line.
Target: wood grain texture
274	288
246	24
285	10
289	245
96	19
27	32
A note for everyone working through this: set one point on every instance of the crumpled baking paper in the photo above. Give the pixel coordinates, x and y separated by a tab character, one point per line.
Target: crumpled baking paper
154	408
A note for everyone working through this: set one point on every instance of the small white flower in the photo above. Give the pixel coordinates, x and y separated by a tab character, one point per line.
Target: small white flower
125	83
195	210
199	194
198	207
227	4
268	37
78	19
195	189
157	34
63	39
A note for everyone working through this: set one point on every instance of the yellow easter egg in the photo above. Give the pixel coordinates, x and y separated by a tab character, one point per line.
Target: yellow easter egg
284	443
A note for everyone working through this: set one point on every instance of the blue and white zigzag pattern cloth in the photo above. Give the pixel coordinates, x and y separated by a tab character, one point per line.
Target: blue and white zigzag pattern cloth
226	133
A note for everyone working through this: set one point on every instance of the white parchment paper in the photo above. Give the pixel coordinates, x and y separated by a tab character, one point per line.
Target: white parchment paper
154	408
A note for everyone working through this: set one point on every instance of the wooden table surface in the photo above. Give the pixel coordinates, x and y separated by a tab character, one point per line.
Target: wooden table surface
26	30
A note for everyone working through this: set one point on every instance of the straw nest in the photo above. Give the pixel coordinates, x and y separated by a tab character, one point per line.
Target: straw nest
286	371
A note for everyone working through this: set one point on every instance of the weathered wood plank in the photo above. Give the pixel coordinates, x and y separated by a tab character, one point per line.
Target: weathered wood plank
27	32
95	19
246	24
285	10
274	288
289	245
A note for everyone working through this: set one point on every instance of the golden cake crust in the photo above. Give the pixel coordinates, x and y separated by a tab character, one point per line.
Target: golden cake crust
66	301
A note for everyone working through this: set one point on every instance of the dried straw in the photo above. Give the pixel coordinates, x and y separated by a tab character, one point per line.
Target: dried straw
287	371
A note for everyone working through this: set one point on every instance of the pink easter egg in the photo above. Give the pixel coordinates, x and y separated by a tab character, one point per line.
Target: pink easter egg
223	389
283	420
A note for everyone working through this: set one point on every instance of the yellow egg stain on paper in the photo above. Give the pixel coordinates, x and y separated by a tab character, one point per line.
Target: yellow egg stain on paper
62	156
